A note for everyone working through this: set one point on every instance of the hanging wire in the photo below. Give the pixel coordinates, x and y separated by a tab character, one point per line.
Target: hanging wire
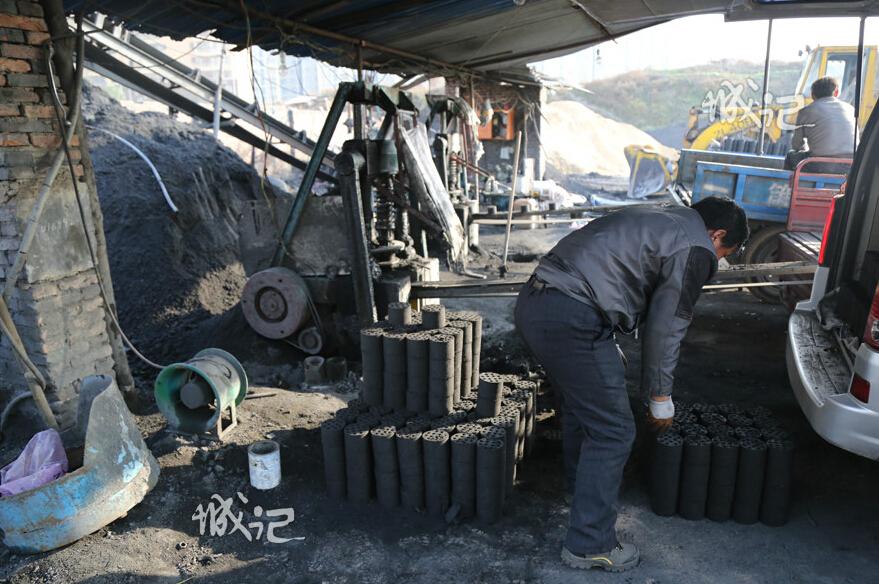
56	101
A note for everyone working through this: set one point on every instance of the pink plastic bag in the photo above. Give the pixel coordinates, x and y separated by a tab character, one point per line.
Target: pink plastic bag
42	461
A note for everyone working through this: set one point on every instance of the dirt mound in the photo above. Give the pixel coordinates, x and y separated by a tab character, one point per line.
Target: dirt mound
177	276
578	140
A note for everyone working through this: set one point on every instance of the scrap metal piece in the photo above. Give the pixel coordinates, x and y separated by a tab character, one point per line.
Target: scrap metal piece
118	470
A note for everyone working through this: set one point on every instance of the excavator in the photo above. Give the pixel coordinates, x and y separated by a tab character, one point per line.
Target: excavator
737	129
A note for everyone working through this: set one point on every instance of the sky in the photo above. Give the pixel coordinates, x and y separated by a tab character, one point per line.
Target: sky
701	39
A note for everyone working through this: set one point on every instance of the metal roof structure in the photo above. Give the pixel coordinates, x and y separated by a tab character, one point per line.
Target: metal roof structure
449	37
406	36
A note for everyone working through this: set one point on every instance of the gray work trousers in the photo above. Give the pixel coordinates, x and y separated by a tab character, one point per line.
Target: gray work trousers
576	347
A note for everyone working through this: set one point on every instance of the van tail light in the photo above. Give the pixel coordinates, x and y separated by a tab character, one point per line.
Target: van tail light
860	388
871	331
825	237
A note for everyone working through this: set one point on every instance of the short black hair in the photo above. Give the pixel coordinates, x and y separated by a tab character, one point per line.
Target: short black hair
723	213
824	87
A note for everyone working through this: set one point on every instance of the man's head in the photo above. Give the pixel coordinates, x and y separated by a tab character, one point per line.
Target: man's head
825	87
726	222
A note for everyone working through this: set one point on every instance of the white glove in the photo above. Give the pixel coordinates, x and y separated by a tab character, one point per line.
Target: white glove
662	409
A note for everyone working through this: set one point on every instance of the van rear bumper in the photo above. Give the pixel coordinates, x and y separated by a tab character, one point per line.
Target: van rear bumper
820	379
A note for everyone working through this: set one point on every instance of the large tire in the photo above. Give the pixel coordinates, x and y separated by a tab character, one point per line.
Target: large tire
762	248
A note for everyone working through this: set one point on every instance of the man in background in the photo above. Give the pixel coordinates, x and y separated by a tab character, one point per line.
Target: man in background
826	127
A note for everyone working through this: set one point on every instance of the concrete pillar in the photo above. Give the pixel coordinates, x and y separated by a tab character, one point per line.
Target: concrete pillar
57	303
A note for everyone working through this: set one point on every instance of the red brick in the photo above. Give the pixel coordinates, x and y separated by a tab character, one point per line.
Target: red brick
23	22
75	140
37	38
13	140
8	109
14	65
20	51
45	140
39	111
47	98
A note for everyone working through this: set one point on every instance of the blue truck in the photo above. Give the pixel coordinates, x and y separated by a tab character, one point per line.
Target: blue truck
763	188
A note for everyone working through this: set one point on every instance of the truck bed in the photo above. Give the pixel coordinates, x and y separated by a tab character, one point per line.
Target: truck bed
798	246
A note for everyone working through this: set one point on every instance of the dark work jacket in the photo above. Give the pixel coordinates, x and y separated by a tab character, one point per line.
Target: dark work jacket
641	267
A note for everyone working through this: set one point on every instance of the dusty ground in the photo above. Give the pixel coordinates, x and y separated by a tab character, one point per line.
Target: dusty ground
734	352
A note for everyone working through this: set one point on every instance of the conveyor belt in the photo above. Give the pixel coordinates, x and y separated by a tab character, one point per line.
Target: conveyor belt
108	52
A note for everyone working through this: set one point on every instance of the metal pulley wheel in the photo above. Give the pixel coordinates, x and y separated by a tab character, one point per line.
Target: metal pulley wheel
310	341
275	302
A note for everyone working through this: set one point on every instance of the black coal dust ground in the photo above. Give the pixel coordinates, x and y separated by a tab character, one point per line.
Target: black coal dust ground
734	352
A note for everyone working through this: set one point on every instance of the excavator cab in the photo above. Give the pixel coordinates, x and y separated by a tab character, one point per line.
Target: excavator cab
841	63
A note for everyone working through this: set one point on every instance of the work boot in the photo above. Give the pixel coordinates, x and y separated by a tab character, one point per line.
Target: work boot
621	558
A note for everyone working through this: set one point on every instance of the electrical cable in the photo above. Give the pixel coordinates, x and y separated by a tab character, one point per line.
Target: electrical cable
56	100
149	163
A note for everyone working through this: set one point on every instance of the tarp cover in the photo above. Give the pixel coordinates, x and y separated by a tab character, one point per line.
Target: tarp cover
425	181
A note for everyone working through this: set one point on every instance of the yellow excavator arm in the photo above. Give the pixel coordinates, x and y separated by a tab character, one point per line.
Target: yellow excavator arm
741	124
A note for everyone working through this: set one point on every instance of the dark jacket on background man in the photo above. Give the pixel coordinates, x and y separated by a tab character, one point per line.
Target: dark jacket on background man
641	267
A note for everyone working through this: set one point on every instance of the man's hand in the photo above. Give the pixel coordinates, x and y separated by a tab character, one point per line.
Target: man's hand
660	414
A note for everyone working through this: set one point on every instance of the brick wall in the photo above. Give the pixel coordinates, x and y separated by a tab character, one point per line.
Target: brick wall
57	303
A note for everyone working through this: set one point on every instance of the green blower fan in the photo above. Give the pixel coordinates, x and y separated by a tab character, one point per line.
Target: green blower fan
194	395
